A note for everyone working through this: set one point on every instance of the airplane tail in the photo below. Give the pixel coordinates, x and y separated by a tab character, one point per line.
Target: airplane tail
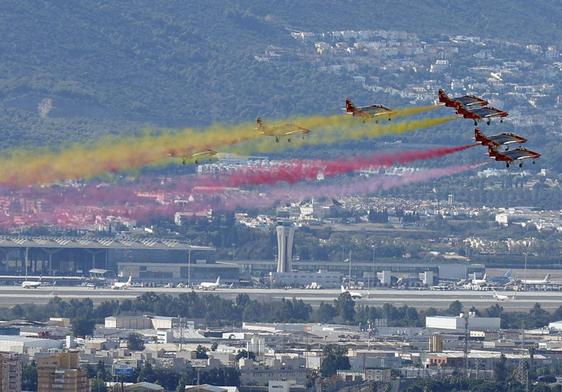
259	123
218	280
442	96
130	280
349	107
343	290
547	277
507	273
477	134
492	151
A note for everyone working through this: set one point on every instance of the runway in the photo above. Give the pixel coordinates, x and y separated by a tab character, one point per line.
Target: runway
422	299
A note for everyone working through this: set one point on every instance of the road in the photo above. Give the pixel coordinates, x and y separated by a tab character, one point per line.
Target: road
11	295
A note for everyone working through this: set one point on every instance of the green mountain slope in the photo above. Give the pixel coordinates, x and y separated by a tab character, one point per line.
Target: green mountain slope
113	67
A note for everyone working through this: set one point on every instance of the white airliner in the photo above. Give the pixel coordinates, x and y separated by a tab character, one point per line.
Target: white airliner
122	285
354	294
544	281
479	282
29	284
502	298
210	285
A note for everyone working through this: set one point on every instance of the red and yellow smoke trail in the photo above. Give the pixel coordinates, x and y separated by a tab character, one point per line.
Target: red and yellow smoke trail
21	168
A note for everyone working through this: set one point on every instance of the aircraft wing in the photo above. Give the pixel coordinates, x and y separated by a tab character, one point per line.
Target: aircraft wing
504	139
375	110
518	155
488	112
471	100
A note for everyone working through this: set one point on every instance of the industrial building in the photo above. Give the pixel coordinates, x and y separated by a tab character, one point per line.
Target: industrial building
322	279
23	344
444	270
458	323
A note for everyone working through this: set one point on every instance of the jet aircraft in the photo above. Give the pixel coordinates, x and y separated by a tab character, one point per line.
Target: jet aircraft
353	294
29	284
502	298
519	154
501	139
368	112
536	282
481	113
211	286
196	157
466	100
280	130
122	285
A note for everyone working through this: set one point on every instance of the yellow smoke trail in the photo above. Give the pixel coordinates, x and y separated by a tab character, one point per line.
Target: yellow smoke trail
110	155
327	136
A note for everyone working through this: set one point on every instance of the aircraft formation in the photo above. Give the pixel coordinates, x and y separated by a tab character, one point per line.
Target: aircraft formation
234	188
475	108
467	106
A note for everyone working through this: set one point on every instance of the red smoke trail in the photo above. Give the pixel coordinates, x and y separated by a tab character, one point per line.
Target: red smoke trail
301	170
346	187
77	206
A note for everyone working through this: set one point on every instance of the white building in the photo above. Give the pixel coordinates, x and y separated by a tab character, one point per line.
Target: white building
22	344
128	322
458	322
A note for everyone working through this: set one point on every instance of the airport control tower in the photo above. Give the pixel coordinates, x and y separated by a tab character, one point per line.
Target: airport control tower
285	234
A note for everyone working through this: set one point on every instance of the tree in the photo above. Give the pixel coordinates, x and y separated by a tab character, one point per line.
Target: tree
334	359
135	342
83	326
455	308
201	352
101	372
494	311
500	370
98	385
325	313
29	377
345	307
146	373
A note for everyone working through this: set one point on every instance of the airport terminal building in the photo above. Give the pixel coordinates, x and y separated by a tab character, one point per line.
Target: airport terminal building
145	260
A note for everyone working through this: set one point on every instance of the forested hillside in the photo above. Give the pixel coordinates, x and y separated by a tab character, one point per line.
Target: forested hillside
114	67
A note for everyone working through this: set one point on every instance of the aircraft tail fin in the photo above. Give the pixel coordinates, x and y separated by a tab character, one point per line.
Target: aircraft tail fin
507	273
343	290
218	280
349	107
259	123
442	96
130	280
547	277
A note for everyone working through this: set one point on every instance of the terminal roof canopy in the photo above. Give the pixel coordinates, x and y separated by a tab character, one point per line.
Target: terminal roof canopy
97	243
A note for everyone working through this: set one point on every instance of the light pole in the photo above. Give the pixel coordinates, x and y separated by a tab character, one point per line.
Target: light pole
349	274
373	265
189	268
525	271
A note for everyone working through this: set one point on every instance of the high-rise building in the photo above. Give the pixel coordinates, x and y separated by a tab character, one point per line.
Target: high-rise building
436	343
61	372
285	234
10	372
